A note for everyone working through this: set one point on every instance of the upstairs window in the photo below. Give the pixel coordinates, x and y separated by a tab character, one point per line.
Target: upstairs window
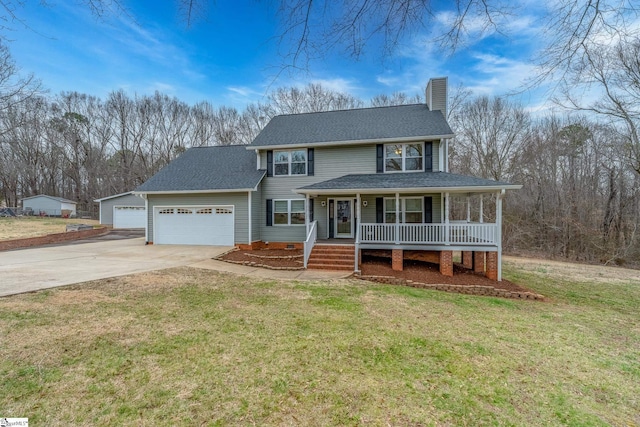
290	162
403	157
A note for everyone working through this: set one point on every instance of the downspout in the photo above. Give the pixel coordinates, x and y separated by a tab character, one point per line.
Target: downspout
250	236
499	197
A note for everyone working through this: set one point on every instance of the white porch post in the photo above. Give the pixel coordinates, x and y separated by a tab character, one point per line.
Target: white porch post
446	219
358	222
468	207
307	214
358	215
499	197
249	237
481	220
397	218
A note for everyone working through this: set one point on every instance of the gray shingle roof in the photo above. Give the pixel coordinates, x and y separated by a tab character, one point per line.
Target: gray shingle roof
381	181
217	168
403	121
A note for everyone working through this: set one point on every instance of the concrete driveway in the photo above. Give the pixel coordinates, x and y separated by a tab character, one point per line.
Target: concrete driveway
33	269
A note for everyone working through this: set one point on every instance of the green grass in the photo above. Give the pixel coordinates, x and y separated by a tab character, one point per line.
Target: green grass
192	347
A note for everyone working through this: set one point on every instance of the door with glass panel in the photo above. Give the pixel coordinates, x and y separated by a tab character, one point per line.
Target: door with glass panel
343	218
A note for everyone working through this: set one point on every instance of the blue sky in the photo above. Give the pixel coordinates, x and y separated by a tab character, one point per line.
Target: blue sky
233	57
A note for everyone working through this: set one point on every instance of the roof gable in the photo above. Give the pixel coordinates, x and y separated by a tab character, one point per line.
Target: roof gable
219	168
57	199
364	124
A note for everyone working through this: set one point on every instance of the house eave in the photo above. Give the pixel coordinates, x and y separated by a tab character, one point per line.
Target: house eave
113	197
226	190
468	189
351	142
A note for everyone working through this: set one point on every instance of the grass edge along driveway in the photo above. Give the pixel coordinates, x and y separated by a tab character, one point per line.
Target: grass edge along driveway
193	347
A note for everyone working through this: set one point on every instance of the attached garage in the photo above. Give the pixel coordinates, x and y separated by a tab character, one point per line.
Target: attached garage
194	225
129	217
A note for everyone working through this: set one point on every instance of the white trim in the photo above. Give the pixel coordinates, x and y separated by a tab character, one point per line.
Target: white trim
421	138
407	190
113	197
290	163
403	158
401	207
289	212
146	224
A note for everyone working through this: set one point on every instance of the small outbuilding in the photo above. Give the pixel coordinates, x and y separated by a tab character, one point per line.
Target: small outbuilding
49	206
125	210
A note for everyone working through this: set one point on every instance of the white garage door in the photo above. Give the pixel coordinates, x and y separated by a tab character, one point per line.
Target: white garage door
194	225
129	217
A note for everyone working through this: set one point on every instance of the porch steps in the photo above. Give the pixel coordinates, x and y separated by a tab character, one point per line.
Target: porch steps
332	257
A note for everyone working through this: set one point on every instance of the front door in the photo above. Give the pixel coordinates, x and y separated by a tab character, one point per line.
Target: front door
343	218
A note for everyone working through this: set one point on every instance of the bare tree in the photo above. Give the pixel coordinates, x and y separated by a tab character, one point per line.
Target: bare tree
491	132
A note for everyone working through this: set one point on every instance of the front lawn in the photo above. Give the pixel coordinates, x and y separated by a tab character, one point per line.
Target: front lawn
193	347
34	226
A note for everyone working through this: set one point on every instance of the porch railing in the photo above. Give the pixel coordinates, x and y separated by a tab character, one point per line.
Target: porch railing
444	234
311	241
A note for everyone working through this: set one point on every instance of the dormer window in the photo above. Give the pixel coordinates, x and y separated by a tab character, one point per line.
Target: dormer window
403	157
290	162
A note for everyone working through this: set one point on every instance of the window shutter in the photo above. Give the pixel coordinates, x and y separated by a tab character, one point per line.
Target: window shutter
311	210
269	212
428	210
379	158
379	210
310	162
269	164
428	156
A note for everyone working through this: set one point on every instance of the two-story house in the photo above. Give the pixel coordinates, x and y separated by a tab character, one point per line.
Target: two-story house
338	181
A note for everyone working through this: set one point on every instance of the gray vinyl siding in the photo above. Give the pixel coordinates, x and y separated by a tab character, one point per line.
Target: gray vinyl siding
256	213
369	213
106	206
329	162
50	206
238	200
439	95
436	156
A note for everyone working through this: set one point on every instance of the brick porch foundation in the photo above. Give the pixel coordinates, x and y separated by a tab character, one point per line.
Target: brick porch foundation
467	259
492	266
397	259
446	263
478	261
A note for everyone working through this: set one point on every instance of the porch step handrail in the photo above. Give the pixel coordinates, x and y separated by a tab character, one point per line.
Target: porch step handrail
310	242
440	233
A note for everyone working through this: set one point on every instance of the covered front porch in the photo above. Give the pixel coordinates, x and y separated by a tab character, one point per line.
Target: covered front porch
409	218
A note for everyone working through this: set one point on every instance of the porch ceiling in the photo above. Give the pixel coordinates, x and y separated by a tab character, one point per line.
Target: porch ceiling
411	182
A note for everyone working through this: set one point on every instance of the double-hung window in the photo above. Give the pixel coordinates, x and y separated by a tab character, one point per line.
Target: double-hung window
288	212
403	157
411	210
292	162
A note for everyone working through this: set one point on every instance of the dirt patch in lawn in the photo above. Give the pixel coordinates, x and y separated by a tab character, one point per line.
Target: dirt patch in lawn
286	259
424	272
574	272
25	227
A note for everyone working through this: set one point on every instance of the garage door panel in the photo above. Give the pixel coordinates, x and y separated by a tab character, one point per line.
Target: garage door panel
129	217
201	225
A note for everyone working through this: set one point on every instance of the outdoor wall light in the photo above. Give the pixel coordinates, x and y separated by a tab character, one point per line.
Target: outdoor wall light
365	203
323	203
